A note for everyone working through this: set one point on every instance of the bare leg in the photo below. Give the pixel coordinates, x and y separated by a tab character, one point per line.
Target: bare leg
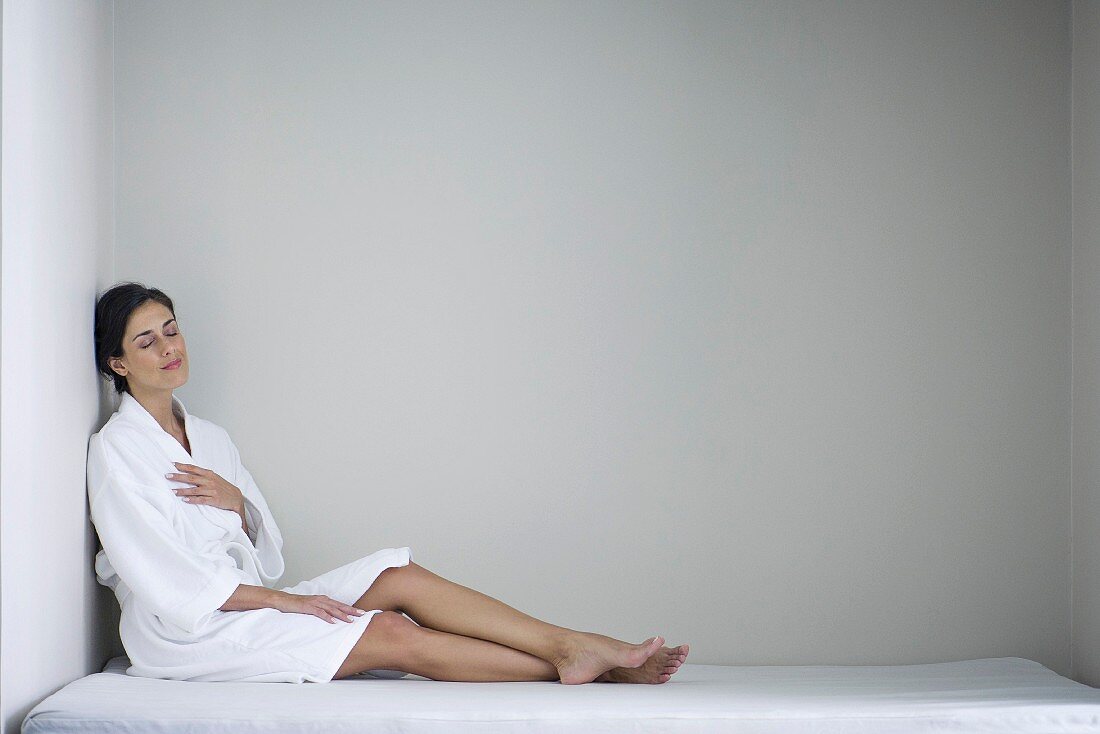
435	602
432	601
440	655
394	642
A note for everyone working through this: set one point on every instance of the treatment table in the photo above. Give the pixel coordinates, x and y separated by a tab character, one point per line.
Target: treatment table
989	695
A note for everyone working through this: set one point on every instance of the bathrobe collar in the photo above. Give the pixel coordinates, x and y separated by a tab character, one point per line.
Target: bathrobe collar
132	410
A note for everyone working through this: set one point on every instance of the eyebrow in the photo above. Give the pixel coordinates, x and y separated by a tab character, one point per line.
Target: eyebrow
150	331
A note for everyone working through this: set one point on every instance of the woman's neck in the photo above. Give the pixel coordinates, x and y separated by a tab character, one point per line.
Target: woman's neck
159	405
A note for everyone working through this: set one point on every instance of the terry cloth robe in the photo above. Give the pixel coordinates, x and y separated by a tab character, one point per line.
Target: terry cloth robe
172	563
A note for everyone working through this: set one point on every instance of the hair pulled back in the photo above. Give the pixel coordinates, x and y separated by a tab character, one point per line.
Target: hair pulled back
112	311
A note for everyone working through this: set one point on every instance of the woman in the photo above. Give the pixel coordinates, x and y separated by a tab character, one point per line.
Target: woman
192	552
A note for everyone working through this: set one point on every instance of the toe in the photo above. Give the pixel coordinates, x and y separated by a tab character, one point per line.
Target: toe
651	646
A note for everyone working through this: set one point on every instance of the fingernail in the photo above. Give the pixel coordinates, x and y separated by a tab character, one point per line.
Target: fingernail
167	476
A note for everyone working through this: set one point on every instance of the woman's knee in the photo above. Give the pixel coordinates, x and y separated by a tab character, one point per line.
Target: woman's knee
394	583
387	641
397	573
391	627
387	591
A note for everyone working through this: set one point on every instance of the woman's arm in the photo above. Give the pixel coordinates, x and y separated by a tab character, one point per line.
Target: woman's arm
248	597
170	574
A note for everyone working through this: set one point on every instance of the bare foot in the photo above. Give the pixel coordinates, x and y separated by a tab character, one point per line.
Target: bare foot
587	655
660	666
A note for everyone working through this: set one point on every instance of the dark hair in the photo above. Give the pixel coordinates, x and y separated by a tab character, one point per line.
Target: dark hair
112	311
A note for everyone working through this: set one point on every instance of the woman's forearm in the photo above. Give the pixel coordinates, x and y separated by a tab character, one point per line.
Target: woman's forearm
248	597
244	519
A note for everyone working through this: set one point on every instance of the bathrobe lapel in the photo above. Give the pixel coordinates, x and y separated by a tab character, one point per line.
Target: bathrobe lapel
135	411
182	559
228	520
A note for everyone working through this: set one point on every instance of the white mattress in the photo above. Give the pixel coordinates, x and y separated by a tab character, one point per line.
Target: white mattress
993	694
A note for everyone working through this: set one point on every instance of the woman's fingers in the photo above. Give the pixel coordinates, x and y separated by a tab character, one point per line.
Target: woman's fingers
322	607
191	492
320	611
344	611
330	610
331	616
192	468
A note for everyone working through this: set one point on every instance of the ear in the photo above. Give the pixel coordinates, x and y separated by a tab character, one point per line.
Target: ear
115	363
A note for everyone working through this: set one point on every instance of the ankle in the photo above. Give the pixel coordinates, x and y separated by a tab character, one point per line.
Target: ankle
564	645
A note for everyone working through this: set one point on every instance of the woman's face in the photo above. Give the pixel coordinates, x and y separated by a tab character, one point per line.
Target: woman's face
154	355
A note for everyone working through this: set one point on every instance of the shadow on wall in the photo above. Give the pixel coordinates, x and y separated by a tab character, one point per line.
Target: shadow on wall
100	606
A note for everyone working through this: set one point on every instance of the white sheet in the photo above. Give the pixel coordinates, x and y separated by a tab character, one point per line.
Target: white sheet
989	695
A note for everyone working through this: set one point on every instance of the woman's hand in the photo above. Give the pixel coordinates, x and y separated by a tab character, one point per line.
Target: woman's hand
318	605
209	488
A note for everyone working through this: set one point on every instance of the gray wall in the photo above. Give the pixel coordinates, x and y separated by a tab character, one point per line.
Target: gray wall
56	622
743	323
1086	342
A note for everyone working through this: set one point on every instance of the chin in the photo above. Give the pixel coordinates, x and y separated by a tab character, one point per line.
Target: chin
179	377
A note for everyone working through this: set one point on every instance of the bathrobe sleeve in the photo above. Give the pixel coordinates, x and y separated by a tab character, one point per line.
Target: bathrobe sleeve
262	529
180	583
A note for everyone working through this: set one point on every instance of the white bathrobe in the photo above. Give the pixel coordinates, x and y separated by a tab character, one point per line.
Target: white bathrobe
172	563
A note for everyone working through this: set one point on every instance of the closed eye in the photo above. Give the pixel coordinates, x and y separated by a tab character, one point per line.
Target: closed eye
149	344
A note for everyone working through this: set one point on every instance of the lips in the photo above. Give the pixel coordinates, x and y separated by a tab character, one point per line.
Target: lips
173	365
